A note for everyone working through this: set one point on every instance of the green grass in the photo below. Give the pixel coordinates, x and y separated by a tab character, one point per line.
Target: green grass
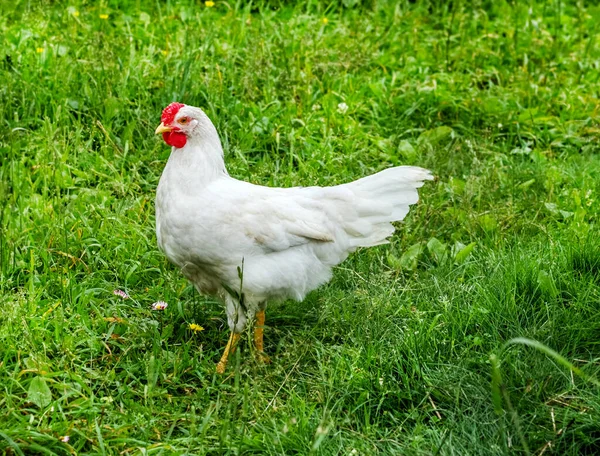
402	353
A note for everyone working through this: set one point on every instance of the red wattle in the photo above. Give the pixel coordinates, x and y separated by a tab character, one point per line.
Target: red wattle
175	138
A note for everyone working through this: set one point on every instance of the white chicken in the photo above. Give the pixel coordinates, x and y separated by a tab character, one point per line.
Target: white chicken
247	244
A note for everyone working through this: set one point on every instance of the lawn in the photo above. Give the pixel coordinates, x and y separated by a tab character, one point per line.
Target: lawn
476	331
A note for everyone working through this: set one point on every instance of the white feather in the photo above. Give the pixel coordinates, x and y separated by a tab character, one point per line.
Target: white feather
289	239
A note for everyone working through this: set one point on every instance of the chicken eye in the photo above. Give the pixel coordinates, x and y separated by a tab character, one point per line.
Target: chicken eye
183	120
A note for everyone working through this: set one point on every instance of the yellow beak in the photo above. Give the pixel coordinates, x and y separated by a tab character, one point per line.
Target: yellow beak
162	128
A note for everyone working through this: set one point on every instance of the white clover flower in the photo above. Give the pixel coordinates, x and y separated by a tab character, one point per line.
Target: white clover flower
121	294
342	108
159	305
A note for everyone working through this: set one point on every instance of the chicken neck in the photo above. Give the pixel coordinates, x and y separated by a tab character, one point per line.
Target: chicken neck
197	164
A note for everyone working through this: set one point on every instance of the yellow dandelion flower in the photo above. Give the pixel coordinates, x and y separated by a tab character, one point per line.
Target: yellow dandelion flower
209	4
103	16
164	52
196	328
39	50
76	13
325	21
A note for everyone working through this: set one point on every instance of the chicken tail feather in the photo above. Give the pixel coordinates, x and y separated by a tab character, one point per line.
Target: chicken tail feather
380	199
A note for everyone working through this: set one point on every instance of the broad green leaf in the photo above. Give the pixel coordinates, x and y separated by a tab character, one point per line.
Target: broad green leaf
437	249
409	258
538	156
406	150
525	185
39	393
488	223
463	253
436	135
566	214
528	115
384	144
393	261
552	208
456	186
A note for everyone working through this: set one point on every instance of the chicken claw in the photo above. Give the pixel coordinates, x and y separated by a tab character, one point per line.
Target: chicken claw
234	338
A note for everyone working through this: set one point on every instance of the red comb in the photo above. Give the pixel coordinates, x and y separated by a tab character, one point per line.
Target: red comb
169	113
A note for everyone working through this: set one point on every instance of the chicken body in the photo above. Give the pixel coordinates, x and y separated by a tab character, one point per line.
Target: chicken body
285	241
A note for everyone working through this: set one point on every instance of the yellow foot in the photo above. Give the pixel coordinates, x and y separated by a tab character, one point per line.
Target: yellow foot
263	357
229	350
221	367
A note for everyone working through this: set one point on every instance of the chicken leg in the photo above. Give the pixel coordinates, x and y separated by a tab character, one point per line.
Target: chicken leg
234	338
258	336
